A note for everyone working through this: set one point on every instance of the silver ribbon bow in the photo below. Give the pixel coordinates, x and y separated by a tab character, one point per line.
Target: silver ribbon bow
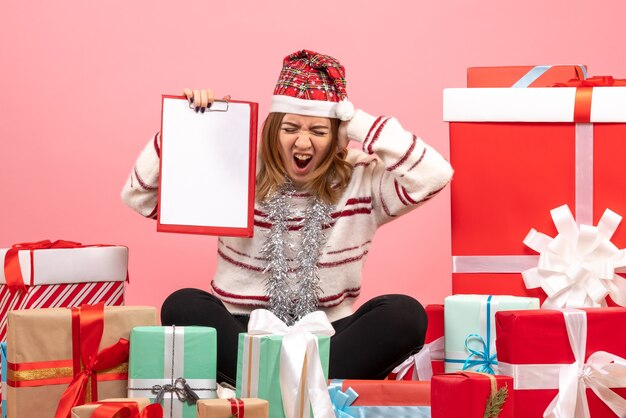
183	391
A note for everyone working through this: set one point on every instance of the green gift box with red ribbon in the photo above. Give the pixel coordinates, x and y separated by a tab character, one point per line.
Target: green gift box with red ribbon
518	153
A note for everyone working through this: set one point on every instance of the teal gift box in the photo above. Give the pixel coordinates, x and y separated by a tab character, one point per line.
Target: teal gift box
171	364
258	368
470	329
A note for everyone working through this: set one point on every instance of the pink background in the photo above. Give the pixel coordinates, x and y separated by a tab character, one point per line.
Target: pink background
80	85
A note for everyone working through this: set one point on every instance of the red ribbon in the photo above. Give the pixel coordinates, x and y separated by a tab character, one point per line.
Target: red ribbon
584	91
87	329
127	410
12	269
236	407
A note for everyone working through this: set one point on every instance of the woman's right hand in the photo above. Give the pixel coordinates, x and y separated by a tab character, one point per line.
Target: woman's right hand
200	100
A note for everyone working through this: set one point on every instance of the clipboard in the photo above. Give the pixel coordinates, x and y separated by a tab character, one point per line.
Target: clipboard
208	168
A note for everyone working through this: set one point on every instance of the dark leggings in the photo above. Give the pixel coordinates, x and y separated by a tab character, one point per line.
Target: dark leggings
367	344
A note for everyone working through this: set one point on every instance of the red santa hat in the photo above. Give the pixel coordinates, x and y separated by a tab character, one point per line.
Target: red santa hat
312	84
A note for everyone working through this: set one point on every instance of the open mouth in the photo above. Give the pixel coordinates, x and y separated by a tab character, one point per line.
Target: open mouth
302	160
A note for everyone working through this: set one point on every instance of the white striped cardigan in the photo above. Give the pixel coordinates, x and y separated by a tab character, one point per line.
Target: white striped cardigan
395	173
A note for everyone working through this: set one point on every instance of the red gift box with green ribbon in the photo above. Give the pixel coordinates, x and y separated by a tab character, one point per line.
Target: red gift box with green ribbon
519	153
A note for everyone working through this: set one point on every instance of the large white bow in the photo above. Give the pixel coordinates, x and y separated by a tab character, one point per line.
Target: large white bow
422	360
601	372
302	380
577	268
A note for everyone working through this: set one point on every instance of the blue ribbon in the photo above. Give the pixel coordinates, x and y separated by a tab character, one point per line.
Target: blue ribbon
535	73
3	362
484	359
342	401
342	406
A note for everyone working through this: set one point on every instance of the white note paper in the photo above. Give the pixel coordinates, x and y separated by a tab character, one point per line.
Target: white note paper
205	167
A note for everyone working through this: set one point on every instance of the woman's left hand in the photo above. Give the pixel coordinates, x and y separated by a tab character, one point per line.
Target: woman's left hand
342	136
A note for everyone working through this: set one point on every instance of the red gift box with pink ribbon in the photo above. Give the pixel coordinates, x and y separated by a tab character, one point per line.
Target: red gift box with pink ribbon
564	363
519	153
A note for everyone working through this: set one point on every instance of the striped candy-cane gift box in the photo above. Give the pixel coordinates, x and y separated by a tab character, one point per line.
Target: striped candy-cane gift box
61	277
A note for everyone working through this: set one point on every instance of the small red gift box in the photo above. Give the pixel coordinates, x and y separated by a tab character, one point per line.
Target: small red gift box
467	394
524	75
576	348
517	154
429	359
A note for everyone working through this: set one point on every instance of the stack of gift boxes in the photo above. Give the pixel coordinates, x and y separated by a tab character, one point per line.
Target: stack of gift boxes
67	355
532	329
527	332
536	246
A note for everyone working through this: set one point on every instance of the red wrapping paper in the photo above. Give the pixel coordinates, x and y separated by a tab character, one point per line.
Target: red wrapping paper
435	331
540	337
508	176
389	393
435	323
465	395
507	76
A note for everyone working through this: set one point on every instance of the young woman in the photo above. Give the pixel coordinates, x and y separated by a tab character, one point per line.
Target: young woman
318	205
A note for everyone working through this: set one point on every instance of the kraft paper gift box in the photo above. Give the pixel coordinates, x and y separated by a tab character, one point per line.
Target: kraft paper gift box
429	359
261	374
178	358
581	349
468	394
470	330
380	398
233	408
86	411
524	75
517	154
60	274
51	353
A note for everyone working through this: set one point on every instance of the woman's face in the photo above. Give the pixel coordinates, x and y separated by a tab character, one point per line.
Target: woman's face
304	142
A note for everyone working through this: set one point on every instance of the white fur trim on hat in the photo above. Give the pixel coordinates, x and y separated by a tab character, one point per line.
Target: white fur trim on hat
345	110
288	104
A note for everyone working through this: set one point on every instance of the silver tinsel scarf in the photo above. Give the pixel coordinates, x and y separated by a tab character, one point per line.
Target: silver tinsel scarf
291	298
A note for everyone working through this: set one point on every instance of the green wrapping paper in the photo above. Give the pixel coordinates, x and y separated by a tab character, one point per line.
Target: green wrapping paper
163	360
258	368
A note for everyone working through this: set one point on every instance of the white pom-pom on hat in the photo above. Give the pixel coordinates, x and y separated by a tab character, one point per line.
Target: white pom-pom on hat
344	110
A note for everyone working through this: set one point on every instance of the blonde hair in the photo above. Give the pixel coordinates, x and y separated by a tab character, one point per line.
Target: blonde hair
328	180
